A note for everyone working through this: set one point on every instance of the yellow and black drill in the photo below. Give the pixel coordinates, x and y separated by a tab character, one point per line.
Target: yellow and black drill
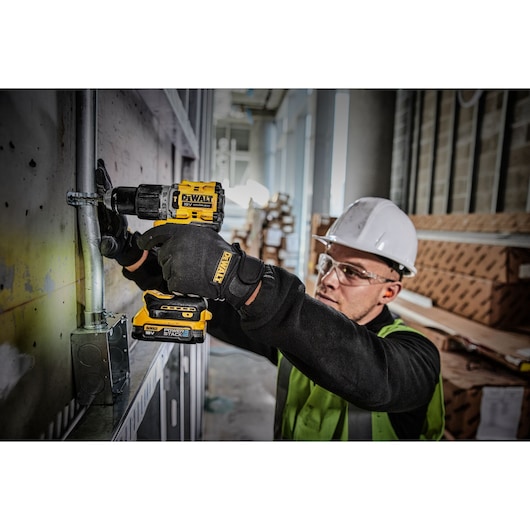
171	317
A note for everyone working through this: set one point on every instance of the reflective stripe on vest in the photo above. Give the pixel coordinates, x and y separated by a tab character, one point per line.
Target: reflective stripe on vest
282	385
315	413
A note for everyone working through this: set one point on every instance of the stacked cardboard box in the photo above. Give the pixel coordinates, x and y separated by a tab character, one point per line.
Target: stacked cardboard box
486	388
250	236
496	304
280	242
480	288
269	233
485	282
483	400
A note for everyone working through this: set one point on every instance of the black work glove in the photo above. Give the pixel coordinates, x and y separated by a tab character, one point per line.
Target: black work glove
117	242
197	260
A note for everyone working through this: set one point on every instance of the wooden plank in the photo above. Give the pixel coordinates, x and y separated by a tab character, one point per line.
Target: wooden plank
510	349
504	222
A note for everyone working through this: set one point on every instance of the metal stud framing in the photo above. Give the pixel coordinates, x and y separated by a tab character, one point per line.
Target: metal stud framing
499	178
414	129
474	150
446	204
415	153
432	155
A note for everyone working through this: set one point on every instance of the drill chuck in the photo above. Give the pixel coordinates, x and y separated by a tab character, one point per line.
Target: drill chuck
147	201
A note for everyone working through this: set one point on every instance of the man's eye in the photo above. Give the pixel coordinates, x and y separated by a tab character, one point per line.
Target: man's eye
351	272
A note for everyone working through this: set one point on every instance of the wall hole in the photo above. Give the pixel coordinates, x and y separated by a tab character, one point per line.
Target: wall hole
32	163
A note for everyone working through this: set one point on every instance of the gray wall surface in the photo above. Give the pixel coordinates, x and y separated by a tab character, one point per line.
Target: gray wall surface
41	270
39	265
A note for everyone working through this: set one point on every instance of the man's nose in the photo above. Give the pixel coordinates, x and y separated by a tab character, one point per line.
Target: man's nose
331	278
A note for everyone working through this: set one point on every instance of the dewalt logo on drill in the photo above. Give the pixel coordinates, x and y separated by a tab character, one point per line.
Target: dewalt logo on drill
222	267
196	200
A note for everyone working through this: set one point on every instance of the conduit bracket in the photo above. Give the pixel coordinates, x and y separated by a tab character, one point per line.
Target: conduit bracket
78	198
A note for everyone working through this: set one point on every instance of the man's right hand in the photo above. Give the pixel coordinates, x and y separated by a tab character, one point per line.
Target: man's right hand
117	242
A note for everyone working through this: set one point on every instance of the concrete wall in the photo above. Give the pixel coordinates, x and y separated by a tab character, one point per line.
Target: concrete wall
135	151
41	269
39	259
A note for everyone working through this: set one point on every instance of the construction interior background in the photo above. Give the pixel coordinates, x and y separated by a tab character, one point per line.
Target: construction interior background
425	104
290	160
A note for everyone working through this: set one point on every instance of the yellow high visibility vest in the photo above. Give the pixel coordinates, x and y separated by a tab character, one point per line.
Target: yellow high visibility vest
306	411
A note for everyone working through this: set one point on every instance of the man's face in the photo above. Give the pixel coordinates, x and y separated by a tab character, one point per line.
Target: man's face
364	299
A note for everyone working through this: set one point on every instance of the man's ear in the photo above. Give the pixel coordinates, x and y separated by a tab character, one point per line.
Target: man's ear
391	291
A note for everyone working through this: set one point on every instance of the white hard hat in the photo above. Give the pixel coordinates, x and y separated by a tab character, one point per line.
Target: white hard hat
377	226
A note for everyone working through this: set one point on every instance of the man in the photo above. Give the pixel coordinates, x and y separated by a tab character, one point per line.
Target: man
347	368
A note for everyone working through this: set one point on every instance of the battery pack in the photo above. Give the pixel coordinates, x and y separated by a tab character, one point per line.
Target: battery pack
171	318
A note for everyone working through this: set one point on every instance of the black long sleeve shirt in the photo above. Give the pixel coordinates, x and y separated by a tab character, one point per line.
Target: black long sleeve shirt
396	374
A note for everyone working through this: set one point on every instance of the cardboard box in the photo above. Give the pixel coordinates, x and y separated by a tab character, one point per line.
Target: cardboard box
495	304
484	401
492	262
270	253
290	243
272	236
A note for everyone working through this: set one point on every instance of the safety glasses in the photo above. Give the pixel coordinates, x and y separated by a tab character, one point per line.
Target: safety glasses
347	273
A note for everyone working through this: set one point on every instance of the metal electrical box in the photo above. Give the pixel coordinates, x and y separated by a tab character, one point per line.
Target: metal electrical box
101	362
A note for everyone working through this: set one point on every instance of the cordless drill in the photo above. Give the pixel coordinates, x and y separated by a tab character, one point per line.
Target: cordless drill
171	317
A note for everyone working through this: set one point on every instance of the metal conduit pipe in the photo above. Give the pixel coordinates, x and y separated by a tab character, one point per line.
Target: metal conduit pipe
86	212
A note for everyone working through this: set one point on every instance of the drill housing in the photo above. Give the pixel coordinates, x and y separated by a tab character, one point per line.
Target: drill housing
171	317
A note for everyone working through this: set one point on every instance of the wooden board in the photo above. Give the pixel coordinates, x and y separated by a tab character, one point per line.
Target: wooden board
510	349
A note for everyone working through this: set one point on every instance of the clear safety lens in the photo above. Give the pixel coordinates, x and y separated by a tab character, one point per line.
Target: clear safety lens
347	273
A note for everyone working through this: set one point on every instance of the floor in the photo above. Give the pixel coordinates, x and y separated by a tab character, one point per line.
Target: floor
240	397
